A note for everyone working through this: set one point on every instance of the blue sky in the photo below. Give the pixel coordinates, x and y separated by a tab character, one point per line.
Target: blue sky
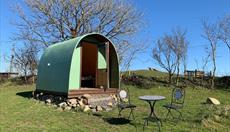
161	16
164	15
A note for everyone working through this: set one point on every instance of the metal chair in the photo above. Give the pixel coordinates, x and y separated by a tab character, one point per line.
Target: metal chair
125	103
177	102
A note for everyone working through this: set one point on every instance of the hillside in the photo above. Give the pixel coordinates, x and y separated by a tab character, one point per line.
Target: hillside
148	73
149	78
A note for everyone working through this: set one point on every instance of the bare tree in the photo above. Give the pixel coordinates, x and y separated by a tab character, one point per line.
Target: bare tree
164	55
133	50
206	59
197	63
171	51
211	34
48	21
130	56
184	58
26	60
179	44
224	25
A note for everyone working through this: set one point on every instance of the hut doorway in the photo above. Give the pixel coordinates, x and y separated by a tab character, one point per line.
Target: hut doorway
89	65
103	71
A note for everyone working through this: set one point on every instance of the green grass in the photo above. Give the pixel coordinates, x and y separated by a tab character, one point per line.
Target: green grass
18	113
148	73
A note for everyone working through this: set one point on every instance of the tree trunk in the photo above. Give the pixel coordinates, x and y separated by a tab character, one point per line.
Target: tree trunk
213	75
214	69
185	67
25	77
170	78
33	78
177	75
73	33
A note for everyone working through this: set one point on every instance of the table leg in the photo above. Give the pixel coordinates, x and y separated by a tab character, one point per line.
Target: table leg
152	115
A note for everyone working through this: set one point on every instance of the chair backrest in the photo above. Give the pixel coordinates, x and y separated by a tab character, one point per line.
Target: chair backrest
124	94
178	96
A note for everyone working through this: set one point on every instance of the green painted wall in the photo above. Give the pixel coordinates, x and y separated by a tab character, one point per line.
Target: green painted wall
101	57
75	70
54	67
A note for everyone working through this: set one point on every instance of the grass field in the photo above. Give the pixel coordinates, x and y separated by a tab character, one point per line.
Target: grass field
147	73
20	113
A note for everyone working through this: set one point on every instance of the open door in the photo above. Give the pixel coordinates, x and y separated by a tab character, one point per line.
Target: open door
89	64
103	73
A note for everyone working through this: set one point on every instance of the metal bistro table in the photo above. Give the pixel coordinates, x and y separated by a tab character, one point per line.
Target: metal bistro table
152	99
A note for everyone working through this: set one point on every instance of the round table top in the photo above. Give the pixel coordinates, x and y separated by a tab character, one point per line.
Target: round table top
151	97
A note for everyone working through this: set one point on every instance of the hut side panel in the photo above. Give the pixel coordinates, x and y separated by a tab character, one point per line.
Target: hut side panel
53	70
75	70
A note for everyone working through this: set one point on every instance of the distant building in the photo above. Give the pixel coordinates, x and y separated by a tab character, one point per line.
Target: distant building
195	74
7	75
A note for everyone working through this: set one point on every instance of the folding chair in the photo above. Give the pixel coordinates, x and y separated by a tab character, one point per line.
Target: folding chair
177	102
125	103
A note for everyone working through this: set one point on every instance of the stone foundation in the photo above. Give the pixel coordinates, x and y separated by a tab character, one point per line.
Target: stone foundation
86	102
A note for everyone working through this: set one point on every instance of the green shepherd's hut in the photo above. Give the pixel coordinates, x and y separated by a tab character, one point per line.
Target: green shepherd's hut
84	65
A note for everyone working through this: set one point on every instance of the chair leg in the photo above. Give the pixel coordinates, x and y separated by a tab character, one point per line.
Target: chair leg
158	125
145	123
180	114
131	113
119	114
160	122
169	113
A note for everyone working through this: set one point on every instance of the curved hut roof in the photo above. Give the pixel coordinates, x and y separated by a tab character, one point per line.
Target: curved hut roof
59	68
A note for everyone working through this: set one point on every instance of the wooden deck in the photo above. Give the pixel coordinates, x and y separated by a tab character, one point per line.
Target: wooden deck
81	91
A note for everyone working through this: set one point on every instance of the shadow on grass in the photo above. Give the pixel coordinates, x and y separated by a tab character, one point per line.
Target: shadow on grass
117	121
27	94
120	121
97	114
